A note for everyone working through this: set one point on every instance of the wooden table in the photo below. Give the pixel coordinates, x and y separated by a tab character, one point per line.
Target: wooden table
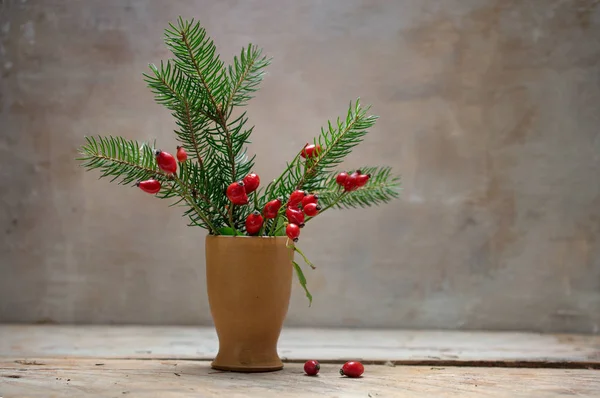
114	361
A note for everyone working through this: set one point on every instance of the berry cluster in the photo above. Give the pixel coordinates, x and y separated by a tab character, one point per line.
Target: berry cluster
352	181
167	163
300	204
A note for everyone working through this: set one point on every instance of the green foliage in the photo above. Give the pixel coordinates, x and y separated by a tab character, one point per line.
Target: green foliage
202	94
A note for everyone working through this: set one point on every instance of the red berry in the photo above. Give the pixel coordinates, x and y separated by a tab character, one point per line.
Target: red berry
351	182
352	369
251	181
296	198
254	222
312	367
311	209
236	193
151	186
166	162
341	178
295	216
293	232
362	179
310	150
309	199
181	154
272	208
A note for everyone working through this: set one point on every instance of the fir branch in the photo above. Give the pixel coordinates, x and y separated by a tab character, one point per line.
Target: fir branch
123	160
336	143
245	75
196	56
382	187
174	90
129	162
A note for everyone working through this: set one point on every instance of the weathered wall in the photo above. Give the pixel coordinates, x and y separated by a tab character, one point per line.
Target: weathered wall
488	108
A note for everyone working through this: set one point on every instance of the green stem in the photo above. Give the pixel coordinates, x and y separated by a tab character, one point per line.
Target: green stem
306	260
235	232
277	230
256	201
279	214
278	180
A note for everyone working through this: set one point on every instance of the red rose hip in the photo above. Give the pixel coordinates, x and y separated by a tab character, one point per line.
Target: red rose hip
362	179
166	162
350	184
296	198
310	150
352	369
251	182
295	216
236	193
293	232
151	186
309	199
312	367
341	178
311	209
254	222
181	154
272	208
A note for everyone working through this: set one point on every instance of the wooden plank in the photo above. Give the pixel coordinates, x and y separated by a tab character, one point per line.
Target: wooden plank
328	345
56	377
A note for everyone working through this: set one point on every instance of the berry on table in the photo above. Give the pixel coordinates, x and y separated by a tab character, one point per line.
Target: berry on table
352	369
296	198
312	209
341	178
166	162
254	222
251	182
151	186
181	154
309	199
295	216
236	193
311	368
310	150
292	231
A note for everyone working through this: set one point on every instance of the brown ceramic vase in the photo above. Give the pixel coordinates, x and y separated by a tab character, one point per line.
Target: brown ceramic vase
249	282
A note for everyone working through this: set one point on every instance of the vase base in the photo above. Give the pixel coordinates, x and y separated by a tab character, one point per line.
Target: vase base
246	368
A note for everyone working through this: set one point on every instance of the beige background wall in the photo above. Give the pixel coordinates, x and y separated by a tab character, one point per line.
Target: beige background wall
490	109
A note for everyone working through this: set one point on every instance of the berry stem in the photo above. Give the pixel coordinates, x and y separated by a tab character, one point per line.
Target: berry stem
306	260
